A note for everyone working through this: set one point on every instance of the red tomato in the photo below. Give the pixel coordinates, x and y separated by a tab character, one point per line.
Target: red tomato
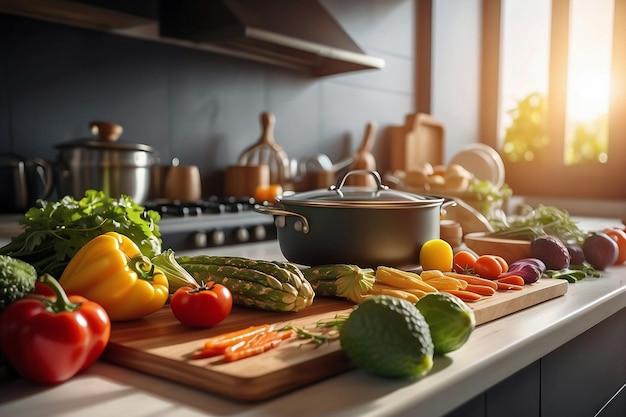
487	266
619	236
503	263
204	306
463	262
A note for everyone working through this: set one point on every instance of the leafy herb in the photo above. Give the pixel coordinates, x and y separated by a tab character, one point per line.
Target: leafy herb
573	273
55	231
541	221
328	330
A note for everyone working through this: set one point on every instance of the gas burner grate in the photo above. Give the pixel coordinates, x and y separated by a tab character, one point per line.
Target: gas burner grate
211	205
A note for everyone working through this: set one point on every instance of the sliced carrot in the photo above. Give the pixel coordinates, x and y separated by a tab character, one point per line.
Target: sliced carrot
227	339
512	279
480	289
465	295
260	343
208	352
503	286
472	279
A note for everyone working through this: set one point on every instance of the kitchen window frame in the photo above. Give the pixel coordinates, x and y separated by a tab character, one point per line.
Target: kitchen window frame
549	176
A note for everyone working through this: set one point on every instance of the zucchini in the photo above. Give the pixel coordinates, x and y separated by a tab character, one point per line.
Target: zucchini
267	285
341	280
17	279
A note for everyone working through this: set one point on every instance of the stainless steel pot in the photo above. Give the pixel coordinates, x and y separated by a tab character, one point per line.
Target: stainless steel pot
365	226
103	163
23	182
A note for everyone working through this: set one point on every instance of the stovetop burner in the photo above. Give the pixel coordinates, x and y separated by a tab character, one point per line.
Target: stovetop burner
215	221
211	205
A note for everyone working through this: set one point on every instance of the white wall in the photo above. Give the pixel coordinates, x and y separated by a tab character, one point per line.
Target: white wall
455	89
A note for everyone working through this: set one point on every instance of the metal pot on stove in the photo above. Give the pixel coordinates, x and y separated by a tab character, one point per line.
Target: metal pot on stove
104	163
366	226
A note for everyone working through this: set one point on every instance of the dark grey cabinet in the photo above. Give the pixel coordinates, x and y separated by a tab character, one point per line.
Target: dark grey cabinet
586	377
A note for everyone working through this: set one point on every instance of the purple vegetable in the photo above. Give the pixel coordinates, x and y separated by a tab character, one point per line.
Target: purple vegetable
520	263
530	269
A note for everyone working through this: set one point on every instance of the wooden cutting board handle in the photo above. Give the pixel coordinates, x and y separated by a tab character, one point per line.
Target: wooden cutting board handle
364	159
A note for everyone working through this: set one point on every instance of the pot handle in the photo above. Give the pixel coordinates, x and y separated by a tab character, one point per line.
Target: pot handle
302	226
342	180
45	175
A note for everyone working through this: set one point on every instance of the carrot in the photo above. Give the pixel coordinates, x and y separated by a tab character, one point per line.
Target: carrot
503	286
256	345
512	279
473	279
208	352
480	289
465	295
227	339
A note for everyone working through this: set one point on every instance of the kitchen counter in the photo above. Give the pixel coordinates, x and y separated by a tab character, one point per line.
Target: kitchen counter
495	351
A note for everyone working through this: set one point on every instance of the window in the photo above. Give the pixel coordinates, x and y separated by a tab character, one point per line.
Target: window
552	95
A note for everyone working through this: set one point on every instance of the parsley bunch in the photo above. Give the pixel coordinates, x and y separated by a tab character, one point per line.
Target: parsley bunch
55	231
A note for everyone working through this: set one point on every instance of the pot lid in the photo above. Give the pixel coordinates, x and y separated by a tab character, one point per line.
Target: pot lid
353	196
106	137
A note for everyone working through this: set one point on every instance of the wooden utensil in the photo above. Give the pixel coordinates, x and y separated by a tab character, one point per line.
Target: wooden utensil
418	141
363	158
267	152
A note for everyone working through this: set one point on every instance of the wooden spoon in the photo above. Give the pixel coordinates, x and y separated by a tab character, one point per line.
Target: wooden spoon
363	158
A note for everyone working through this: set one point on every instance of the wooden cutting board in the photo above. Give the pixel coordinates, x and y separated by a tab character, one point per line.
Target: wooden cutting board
420	140
161	346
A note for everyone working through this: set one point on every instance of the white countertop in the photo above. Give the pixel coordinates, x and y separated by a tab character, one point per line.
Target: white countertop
495	351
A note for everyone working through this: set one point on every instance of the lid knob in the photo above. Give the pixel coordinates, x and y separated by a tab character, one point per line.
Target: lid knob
106	131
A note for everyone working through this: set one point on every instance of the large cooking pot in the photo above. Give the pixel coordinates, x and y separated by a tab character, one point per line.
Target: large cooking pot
103	163
23	182
365	226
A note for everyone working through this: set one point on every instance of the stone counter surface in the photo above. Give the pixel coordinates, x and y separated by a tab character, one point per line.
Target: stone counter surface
494	352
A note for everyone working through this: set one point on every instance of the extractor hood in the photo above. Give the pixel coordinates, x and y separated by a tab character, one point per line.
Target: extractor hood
296	34
300	34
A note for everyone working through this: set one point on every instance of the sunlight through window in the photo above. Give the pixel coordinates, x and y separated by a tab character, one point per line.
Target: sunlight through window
588	82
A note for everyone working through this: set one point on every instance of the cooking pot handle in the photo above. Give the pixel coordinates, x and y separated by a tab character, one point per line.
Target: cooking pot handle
276	211
342	180
45	175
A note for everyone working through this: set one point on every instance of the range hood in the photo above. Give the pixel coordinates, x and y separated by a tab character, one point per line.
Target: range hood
295	33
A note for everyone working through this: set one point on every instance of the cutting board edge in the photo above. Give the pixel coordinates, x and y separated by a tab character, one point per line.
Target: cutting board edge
267	386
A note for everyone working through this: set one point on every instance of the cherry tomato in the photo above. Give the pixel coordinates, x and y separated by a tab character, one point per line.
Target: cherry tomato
463	262
436	254
619	236
487	266
503	263
204	306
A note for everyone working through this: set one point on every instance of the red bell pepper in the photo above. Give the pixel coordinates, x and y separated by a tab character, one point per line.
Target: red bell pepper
48	340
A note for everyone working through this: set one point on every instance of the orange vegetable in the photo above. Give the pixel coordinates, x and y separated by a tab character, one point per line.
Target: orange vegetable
487	266
511	279
465	295
480	289
242	343
260	343
463	262
503	286
473	279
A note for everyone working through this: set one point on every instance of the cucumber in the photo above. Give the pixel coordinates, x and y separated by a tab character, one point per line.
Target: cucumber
267	285
341	280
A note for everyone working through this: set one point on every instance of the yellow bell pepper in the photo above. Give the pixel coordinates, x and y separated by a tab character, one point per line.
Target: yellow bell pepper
111	271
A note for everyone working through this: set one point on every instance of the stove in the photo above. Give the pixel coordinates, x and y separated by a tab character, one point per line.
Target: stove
212	222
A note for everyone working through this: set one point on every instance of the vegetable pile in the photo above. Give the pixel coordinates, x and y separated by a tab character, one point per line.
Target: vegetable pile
55	231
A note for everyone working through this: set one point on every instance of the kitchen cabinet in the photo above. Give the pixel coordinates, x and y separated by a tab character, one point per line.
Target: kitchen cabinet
510	366
581	378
